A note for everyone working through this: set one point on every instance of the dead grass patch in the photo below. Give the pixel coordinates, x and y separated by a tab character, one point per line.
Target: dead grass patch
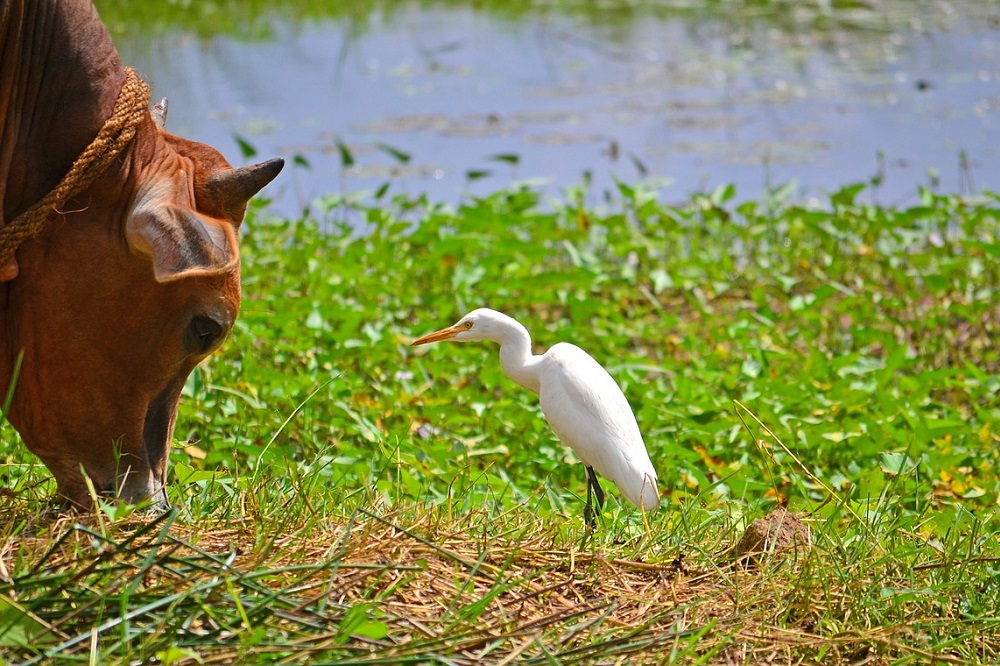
413	585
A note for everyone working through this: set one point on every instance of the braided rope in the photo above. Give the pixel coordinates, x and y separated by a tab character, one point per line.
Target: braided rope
117	132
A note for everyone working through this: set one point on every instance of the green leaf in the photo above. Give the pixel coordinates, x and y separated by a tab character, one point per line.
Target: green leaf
315	319
509	158
19	627
372	629
346	156
896	463
185	474
174	654
356	622
477	174
399	155
246	148
751	367
862	366
661	280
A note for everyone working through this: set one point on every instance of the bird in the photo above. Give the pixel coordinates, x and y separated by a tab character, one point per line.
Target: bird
582	403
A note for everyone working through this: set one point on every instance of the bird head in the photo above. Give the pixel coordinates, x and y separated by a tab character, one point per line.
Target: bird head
481	324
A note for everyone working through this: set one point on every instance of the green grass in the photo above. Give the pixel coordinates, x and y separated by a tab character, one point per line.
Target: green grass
342	496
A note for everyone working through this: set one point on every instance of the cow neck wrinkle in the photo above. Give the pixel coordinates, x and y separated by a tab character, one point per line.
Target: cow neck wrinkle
116	133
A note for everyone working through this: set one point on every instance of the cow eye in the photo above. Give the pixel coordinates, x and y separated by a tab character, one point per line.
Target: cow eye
202	334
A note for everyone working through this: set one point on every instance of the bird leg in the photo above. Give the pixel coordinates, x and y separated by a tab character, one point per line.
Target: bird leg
592	487
598	493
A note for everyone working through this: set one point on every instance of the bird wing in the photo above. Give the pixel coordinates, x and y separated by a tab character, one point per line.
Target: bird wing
589	413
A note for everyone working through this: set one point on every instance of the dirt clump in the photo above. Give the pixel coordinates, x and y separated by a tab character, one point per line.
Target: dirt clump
776	532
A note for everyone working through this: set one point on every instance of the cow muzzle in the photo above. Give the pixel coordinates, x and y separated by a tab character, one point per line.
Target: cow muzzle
138	485
148	481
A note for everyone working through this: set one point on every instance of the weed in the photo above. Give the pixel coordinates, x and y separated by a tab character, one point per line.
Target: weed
341	496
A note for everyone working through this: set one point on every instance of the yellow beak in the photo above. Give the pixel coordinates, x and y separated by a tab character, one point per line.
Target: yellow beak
437	336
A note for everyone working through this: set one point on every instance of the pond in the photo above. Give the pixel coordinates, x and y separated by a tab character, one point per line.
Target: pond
460	98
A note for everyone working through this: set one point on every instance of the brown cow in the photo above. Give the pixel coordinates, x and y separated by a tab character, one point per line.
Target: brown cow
131	283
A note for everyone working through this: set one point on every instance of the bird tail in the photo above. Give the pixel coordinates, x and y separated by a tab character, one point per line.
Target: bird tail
649	496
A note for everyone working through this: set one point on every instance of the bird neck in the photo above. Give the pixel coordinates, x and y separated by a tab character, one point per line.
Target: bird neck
516	358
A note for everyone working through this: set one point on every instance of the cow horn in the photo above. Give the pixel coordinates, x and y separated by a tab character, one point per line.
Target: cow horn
159	113
231	190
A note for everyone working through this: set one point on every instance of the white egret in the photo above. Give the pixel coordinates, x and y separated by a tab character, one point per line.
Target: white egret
582	403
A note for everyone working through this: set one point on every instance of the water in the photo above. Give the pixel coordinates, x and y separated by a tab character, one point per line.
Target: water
694	101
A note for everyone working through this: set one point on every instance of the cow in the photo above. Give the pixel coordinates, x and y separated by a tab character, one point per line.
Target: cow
130	283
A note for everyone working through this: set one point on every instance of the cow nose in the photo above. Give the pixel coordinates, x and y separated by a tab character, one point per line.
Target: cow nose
135	486
158	427
157	432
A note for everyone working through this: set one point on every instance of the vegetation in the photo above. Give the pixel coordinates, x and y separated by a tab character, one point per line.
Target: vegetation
341	496
256	19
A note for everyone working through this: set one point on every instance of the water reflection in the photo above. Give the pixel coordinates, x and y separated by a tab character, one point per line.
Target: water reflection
453	100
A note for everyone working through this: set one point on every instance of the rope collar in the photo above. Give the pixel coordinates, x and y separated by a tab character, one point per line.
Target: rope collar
115	135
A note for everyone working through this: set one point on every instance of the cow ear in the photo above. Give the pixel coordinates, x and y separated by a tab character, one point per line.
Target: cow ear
182	243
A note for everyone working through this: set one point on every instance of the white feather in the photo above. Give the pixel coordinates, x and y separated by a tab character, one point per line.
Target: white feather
589	413
580	400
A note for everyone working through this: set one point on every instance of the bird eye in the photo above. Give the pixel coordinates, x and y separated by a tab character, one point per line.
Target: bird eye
202	334
468	324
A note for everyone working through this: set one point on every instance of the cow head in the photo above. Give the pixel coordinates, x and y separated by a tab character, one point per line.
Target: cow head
116	303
